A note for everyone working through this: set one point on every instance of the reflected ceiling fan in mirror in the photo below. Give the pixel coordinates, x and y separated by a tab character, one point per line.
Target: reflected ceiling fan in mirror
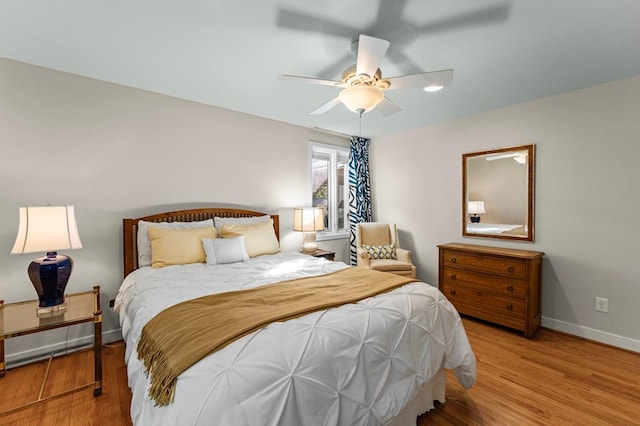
363	85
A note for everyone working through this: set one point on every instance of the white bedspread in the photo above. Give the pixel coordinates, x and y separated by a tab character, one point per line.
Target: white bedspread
490	228
358	364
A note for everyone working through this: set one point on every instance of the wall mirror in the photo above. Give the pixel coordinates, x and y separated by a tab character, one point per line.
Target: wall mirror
498	193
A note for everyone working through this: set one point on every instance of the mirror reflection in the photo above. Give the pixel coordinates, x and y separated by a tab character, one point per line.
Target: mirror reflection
498	193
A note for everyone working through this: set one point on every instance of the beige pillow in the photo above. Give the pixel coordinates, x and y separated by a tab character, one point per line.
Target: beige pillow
178	246
259	238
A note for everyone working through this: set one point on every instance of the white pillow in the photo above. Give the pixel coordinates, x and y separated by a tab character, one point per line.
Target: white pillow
221	221
144	242
225	250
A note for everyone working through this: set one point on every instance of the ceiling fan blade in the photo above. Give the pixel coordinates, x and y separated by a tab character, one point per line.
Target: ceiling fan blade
403	62
305	22
336	68
433	78
371	50
390	11
497	13
311	80
387	107
326	106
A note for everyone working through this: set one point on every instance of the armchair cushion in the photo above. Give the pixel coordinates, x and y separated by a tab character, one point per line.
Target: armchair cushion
386	251
388	265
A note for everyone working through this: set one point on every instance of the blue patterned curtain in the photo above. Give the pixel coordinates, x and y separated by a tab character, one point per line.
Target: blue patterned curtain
359	188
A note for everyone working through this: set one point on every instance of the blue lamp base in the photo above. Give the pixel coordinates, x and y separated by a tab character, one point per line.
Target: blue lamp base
49	276
475	219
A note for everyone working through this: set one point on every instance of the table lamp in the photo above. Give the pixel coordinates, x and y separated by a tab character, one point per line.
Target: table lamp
48	229
308	220
474	209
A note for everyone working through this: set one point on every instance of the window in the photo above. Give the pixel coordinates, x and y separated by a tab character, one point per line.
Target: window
329	187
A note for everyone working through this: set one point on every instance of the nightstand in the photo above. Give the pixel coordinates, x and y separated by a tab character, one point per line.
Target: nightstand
19	319
329	255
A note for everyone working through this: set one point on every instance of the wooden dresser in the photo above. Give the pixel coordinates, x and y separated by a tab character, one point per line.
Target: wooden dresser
494	284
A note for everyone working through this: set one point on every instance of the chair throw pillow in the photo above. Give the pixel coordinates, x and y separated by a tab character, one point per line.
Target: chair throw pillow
381	252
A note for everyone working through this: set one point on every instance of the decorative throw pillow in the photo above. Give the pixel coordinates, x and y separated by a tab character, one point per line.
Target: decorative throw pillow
220	251
259	238
381	252
178	246
144	243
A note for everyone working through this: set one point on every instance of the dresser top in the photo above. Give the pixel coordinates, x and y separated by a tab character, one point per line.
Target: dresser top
527	254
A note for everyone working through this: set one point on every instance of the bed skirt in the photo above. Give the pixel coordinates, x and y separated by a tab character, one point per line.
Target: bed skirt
433	390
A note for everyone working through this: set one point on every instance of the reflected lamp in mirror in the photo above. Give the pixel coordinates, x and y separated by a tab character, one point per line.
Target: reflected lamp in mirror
475	208
308	220
48	229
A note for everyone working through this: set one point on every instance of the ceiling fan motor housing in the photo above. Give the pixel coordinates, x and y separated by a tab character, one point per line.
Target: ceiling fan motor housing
350	78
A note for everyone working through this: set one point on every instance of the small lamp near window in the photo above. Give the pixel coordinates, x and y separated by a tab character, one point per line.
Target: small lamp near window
308	220
48	229
474	208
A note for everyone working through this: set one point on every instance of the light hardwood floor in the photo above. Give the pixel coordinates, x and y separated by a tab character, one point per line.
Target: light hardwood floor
553	379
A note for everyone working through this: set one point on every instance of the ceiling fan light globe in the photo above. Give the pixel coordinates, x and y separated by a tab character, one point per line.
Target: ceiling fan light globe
361	98
433	88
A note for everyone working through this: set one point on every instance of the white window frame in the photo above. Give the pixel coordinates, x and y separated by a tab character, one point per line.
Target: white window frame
332	151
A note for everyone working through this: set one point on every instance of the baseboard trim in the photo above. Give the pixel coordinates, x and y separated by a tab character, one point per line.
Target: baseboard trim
592	334
59	348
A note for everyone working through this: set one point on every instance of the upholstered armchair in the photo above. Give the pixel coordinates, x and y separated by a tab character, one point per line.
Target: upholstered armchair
377	248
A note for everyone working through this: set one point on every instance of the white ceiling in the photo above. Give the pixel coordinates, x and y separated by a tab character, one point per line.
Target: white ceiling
229	53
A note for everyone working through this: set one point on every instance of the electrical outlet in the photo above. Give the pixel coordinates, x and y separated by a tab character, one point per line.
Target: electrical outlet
602	304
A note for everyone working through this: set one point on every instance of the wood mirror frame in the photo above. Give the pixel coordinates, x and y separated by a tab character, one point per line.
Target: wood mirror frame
501	183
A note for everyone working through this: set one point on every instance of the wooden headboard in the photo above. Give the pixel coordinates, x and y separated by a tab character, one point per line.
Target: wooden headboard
130	227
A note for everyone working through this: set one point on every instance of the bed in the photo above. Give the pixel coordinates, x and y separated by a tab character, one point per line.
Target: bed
380	360
495	229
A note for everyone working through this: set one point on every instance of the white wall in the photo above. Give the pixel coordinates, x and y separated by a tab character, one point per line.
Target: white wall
587	199
117	152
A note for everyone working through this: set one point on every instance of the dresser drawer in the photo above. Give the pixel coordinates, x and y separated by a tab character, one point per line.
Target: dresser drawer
485	282
498	309
486	263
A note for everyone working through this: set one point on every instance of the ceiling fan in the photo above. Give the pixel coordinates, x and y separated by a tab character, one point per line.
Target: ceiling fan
363	86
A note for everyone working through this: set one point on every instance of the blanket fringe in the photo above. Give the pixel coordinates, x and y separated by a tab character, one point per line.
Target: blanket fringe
163	379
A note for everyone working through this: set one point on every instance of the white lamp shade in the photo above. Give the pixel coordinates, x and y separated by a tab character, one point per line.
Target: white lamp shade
308	219
49	228
475	207
361	98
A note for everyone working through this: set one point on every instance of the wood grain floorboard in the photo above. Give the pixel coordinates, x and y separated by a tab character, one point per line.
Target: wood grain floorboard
552	379
67	372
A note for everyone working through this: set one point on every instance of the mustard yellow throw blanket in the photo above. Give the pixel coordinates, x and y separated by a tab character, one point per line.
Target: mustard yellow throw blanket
182	334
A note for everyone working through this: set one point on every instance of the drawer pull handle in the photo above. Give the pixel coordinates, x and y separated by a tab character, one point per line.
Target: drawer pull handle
453	276
453	259
509	307
452	292
510	269
510	287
